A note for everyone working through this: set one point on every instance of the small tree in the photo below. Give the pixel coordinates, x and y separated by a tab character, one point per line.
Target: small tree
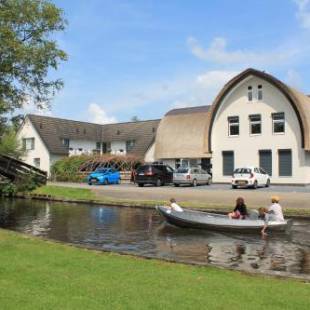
27	52
9	144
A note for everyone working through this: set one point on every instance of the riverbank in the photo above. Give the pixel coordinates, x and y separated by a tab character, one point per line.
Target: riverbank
59	193
39	274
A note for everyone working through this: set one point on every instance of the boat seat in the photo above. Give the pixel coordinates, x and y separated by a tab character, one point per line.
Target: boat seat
253	214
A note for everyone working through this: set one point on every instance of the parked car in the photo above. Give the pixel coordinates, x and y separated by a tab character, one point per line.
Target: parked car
104	176
250	177
191	176
156	174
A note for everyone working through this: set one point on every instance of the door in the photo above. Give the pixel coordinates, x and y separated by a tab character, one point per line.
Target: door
228	163
285	163
265	160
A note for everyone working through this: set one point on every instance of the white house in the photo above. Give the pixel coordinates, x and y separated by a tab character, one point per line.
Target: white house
47	139
255	120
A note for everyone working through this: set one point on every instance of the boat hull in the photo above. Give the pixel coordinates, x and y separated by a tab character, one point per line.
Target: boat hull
204	220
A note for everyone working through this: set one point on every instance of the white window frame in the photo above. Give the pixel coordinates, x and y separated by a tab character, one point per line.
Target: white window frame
259	92
251	122
29	144
250	94
275	121
232	124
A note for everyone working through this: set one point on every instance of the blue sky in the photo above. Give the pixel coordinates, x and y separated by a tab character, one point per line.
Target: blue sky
142	58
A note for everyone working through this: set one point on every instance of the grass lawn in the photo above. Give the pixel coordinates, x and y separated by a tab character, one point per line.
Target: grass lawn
37	274
66	192
88	194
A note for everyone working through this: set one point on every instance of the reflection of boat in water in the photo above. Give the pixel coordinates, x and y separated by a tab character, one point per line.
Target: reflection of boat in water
204	220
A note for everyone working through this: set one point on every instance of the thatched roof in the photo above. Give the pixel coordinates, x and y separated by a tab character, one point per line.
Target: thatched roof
181	133
300	103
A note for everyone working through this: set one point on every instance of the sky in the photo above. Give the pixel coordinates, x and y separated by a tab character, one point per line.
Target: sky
142	58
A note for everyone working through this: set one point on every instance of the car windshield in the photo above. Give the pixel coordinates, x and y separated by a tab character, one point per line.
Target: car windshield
182	170
242	170
102	170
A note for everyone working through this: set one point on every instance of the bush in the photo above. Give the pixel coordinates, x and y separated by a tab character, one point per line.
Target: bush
67	169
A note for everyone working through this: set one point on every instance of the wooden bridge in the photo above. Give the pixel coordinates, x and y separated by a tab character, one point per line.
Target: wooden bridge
16	170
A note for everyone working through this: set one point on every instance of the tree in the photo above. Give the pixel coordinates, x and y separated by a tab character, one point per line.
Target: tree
27	52
9	144
135	118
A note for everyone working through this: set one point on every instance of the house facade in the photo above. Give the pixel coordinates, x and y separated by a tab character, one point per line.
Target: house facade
48	139
256	120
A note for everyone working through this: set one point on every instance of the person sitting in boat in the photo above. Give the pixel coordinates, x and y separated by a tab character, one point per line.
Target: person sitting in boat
174	206
262	213
274	213
240	211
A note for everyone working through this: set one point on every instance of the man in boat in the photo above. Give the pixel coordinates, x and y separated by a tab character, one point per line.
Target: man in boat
274	213
240	211
174	206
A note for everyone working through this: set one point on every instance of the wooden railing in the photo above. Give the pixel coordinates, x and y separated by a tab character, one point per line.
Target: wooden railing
15	170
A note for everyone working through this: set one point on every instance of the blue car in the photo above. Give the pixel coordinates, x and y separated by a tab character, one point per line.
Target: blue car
104	176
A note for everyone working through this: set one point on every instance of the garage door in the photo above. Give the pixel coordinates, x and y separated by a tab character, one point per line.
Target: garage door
265	160
228	162
285	163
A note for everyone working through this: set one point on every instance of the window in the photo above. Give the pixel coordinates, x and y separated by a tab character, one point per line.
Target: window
255	124
84	131
130	145
285	163
98	146
278	122
80	149
259	92
233	126
250	93
66	142
177	163
36	162
28	144
77	130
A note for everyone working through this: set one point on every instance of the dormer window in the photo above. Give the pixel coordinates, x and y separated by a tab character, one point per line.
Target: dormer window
250	93
77	130
259	92
84	131
118	132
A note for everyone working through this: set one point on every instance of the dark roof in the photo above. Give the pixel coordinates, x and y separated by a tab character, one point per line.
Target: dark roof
190	110
53	130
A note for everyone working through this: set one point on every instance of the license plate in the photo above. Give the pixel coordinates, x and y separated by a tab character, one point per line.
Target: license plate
141	173
241	182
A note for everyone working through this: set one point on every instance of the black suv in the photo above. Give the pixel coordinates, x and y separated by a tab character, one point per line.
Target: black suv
157	174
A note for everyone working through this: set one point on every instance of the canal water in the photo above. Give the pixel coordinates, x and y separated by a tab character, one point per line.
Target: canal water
143	232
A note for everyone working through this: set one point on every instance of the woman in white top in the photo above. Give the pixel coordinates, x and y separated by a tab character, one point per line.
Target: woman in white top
174	206
274	213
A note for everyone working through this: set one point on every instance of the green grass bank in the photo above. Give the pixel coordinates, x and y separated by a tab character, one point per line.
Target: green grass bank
87	195
38	274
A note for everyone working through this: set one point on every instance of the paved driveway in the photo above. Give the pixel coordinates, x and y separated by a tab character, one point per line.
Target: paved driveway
217	194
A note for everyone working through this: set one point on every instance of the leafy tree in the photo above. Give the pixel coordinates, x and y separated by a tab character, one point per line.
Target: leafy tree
9	144
135	118
27	51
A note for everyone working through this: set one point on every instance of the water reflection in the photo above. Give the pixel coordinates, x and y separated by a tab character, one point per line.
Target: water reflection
143	232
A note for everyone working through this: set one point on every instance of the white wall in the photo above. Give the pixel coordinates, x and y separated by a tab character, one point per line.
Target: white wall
116	146
86	146
40	150
245	146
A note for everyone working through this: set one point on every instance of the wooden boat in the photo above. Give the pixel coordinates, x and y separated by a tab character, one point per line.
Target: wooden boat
205	220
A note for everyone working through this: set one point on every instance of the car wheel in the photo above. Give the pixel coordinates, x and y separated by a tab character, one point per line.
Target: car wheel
268	183
140	184
105	182
158	182
234	186
194	182
118	181
176	185
255	185
89	183
209	181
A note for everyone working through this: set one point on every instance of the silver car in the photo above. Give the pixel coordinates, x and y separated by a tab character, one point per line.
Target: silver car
191	176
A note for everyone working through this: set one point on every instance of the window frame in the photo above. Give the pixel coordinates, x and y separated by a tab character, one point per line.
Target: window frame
255	122
250	94
32	144
259	92
233	124
277	121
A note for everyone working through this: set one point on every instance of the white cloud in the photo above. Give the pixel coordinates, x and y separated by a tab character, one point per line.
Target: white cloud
294	79
98	115
303	13
218	53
